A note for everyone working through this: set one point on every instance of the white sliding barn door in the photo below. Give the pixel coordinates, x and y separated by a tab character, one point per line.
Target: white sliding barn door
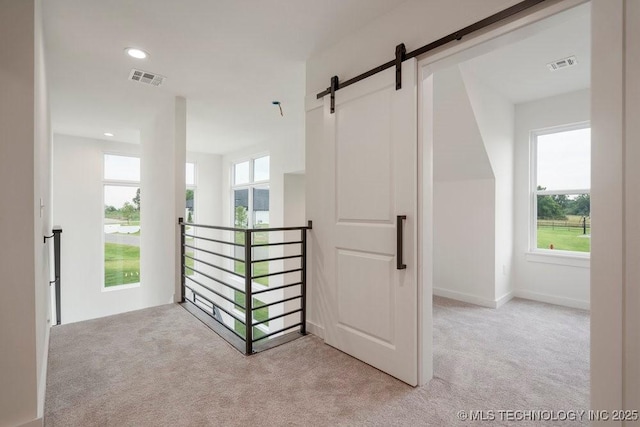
372	305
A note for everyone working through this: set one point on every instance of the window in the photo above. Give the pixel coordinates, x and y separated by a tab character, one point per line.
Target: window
190	214
121	221
561	183
190	179
250	202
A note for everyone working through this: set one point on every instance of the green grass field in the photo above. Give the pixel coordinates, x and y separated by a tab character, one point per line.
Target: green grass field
259	268
564	239
258	315
121	264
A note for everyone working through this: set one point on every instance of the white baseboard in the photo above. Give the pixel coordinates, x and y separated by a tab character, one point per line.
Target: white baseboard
552	299
315	329
461	296
38	422
504	299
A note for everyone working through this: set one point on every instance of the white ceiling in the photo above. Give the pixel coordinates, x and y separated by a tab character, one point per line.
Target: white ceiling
229	58
515	65
232	58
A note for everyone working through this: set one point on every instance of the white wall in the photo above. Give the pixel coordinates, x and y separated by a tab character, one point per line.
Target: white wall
494	116
540	277
208	196
43	221
472	189
79	209
317	210
463	240
24	177
294	216
463	197
162	191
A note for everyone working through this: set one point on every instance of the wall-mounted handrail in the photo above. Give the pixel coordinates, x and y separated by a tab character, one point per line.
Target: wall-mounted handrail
195	282
56	235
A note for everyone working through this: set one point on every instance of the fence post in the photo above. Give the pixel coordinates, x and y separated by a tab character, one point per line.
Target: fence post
248	298
182	260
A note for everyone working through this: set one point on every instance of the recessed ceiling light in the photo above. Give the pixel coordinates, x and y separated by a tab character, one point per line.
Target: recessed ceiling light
108	134
136	53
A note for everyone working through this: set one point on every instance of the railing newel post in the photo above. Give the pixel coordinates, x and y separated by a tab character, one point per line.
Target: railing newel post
303	280
248	298
182	259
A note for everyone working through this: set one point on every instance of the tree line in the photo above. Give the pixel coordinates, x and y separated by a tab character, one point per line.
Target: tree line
129	210
561	205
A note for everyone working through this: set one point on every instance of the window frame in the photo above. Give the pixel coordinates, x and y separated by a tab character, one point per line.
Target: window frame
534	251
117	183
250	185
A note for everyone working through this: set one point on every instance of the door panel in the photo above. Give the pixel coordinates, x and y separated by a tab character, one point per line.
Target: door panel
359	273
354	134
372	306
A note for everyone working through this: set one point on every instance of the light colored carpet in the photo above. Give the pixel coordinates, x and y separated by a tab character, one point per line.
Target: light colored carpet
162	367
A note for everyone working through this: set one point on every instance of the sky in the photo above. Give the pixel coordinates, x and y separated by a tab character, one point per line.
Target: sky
260	171
564	160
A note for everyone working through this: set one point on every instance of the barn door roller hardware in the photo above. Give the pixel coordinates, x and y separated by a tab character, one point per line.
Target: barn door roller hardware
402	55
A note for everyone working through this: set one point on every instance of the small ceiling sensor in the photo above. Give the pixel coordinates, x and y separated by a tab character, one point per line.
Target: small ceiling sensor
136	53
108	134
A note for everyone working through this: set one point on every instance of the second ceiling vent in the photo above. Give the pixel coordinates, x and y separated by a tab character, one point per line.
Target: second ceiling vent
562	63
146	77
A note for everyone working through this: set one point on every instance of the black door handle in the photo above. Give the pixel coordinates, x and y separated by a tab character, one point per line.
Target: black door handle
399	243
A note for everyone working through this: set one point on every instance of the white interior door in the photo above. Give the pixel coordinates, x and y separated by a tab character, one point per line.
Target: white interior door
372	307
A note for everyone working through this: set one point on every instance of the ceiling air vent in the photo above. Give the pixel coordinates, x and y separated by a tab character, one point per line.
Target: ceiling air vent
562	63
146	77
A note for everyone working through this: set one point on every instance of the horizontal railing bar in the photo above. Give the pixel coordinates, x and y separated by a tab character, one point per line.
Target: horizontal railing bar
277	332
304	227
212	303
213	278
277	302
251	230
213	253
260	245
262	291
216	227
210	265
276	273
276	259
214	291
277	317
212	240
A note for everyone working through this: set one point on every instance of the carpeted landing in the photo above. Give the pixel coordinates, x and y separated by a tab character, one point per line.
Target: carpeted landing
162	367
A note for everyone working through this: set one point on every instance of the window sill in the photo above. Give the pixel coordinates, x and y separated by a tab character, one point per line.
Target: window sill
120	287
566	258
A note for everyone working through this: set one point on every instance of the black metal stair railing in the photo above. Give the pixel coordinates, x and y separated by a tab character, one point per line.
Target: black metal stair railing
219	282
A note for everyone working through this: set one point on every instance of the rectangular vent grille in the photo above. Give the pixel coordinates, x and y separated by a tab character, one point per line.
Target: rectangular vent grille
562	63
146	77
